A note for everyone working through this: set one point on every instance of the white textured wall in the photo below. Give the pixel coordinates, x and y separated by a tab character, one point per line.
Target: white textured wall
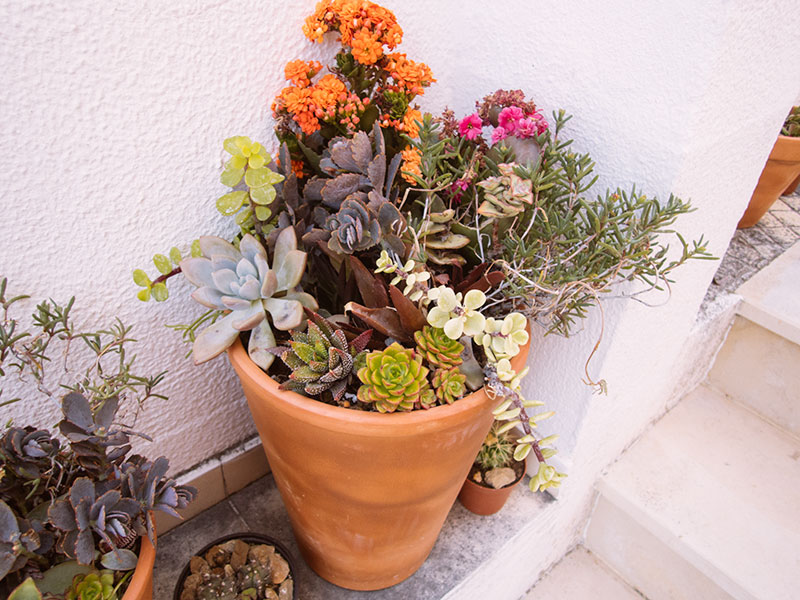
113	116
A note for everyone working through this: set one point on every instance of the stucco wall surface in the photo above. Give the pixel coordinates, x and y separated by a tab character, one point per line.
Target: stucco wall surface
113	116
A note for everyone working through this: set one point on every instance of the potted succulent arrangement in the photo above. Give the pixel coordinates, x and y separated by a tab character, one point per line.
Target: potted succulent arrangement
392	263
781	174
494	474
76	508
239	566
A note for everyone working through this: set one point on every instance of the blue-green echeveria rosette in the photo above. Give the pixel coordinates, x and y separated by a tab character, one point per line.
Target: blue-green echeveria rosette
241	281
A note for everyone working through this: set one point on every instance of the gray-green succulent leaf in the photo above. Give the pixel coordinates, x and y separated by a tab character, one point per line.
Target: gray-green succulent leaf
240	280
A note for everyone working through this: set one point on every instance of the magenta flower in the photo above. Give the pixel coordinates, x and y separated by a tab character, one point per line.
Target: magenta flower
509	117
526	128
541	123
498	134
470	127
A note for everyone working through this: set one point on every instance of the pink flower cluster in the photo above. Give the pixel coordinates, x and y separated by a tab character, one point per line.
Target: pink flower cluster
470	127
511	121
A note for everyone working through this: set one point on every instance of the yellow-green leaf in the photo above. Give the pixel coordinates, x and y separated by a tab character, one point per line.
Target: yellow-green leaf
234	144
509	414
229	204
140	278
231	176
27	590
196	251
521	451
143	294
160	292
175	255
263	195
256	178
263	213
162	264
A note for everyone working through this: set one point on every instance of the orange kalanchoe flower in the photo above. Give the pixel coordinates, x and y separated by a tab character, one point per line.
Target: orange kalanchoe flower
300	72
408	75
349	17
366	48
327	92
411	161
410	119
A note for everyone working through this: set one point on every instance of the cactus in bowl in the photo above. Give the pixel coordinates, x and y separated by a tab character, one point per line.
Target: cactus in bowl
241	281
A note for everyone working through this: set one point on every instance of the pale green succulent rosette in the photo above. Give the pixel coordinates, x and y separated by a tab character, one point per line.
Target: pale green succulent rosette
242	282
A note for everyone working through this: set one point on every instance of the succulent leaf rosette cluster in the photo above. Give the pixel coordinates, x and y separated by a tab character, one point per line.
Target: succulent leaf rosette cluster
395	261
74	501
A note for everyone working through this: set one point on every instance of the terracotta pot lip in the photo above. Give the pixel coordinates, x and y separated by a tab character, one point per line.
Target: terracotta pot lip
786	148
143	571
241	362
247	536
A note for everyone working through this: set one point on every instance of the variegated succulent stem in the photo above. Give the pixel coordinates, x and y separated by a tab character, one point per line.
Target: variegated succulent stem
500	389
165	276
418	286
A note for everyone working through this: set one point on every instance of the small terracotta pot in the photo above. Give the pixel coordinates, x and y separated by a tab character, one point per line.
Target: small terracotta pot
367	493
483	500
780	172
249	537
141	584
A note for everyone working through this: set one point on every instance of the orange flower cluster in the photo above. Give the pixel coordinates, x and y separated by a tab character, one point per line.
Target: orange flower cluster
411	162
409	76
327	100
407	125
367	32
300	72
363	25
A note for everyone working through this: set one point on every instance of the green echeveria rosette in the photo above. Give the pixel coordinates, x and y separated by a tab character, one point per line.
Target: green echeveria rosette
449	385
93	586
394	379
438	349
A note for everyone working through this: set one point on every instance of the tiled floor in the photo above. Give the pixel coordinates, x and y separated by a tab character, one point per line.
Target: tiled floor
753	248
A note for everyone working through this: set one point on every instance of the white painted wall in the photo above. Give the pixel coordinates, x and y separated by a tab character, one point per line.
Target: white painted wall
113	116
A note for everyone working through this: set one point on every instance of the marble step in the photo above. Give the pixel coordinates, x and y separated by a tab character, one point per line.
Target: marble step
580	576
704	505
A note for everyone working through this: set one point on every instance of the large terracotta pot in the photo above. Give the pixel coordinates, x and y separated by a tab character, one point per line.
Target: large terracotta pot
367	493
782	167
141	585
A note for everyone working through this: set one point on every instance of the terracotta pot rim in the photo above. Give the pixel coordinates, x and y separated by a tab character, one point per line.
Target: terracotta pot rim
786	148
335	417
143	570
247	536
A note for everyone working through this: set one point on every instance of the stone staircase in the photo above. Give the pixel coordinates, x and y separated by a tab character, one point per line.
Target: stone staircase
706	505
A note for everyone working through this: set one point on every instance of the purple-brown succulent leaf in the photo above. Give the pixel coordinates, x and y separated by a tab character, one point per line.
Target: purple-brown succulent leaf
62	515
77	411
84	547
360	342
82	490
106	413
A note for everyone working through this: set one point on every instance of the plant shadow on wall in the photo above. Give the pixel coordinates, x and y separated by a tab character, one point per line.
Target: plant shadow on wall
393	261
76	508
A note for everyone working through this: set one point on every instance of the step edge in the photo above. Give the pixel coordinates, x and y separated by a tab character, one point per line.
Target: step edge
760	315
680	546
